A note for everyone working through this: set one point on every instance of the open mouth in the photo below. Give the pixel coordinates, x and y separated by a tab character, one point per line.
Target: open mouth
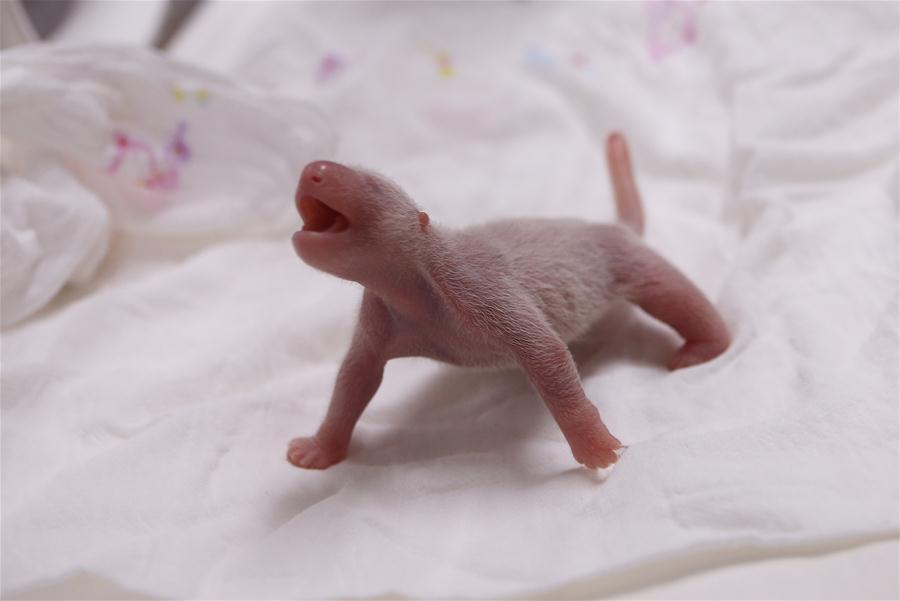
319	217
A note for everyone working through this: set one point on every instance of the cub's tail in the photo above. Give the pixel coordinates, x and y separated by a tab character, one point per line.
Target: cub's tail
628	200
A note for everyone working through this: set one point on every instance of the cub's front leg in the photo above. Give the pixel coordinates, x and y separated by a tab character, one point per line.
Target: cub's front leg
509	316
547	362
358	379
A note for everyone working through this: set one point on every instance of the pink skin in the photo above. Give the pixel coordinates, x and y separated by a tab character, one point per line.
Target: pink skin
508	293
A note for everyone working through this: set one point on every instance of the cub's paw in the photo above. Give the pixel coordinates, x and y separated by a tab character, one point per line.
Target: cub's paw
310	454
594	448
697	352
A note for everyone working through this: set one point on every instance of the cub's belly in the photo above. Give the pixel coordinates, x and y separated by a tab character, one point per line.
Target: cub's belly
454	347
477	357
571	318
473	349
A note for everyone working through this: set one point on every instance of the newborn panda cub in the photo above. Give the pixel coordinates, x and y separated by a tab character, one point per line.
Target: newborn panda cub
507	293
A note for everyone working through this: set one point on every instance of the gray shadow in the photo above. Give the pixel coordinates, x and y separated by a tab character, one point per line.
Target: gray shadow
477	404
459	403
624	335
682	563
79	585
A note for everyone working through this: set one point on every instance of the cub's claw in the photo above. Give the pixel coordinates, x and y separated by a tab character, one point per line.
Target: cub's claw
593	446
697	352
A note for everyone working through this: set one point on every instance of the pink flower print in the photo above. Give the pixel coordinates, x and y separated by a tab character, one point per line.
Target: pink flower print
178	148
672	25
161	169
330	65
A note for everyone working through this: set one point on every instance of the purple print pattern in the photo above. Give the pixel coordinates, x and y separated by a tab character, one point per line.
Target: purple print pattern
672	25
160	168
329	67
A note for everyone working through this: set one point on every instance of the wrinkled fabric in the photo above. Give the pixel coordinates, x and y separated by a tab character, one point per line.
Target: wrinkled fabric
101	140
145	424
54	231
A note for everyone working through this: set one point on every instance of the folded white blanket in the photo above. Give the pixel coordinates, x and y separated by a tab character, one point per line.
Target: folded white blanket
144	424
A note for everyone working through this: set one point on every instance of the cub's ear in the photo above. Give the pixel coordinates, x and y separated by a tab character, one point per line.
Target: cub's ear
423	219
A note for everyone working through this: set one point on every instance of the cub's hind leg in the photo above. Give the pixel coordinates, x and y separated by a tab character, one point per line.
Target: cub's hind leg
657	287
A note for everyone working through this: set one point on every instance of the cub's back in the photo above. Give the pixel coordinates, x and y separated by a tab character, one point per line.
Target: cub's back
563	264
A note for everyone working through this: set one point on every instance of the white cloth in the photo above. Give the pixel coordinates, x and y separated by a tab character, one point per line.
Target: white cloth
54	231
170	150
144	425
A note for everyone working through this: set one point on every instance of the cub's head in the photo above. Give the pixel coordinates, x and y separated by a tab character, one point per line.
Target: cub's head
354	221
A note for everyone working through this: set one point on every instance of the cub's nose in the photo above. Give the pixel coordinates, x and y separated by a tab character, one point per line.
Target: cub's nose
318	171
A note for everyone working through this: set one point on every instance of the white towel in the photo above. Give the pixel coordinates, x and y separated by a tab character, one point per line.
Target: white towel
144	425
